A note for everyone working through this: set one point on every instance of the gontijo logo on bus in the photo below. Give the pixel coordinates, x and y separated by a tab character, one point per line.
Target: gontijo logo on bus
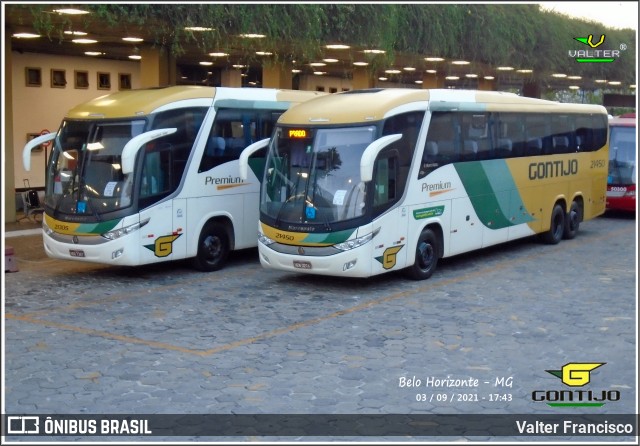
592	55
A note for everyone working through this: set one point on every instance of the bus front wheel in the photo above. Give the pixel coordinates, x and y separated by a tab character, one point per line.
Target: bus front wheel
556	231
213	248
426	257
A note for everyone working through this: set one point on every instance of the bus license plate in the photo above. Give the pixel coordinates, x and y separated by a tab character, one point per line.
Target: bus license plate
76	253
301	264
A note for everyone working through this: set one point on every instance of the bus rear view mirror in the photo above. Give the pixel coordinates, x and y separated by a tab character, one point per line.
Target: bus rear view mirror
371	152
135	144
246	153
35	142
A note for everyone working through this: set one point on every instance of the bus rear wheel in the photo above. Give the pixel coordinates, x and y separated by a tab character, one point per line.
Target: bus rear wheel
556	231
572	222
426	257
213	248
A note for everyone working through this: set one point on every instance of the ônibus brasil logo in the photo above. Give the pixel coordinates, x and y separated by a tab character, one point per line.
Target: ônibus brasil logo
594	55
576	374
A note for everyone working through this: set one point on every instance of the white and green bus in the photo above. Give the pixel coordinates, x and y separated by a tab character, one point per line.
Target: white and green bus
151	175
365	182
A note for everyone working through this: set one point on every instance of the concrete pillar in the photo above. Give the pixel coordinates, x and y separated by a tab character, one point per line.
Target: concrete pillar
157	67
486	84
277	76
362	79
532	90
231	78
9	150
432	80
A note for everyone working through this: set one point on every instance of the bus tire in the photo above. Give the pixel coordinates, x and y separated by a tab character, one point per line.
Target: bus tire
426	257
556	231
213	248
572	221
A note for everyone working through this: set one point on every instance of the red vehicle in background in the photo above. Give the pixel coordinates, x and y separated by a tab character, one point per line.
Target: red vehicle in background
621	183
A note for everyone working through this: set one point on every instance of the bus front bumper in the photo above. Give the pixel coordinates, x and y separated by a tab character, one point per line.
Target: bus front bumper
113	252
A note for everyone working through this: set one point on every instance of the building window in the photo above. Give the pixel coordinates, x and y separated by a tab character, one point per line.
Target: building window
125	81
33	77
82	79
104	81
58	78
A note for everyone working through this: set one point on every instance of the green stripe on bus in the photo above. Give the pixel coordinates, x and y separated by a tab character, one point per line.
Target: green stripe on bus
97	228
330	238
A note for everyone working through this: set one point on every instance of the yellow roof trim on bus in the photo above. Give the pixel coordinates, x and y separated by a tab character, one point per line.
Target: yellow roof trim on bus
372	105
131	103
137	102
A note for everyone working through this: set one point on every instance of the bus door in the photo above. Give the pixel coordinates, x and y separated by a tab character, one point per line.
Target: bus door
159	234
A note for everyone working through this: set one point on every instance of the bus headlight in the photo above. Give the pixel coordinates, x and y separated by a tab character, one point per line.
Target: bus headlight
355	243
265	240
45	227
117	233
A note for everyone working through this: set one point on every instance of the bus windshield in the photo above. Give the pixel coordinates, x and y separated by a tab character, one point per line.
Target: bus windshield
622	155
313	177
84	172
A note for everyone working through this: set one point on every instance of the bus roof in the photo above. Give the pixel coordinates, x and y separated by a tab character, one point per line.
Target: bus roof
622	122
370	105
131	103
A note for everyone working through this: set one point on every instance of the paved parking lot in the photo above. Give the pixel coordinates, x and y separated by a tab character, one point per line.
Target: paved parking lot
165	339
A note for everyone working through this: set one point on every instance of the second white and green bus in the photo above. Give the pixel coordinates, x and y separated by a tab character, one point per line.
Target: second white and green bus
151	175
365	182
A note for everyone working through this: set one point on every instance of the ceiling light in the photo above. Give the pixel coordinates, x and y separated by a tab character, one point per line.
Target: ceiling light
132	39
601	81
75	33
394	71
574	77
489	78
135	57
197	28
460	62
632	86
337	46
559	75
70	11
319	73
431	71
433	59
317	64
361	64
452	78
25	35
504	68
525	71
206	63
382	78
295	70
418	82
471	75
330	60
614	82
239	66
264	53
84	41
574	87
218	54
253	36
409	69
374	51
93	53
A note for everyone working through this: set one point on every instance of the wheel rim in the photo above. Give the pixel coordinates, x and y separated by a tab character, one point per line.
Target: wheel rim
425	256
212	248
